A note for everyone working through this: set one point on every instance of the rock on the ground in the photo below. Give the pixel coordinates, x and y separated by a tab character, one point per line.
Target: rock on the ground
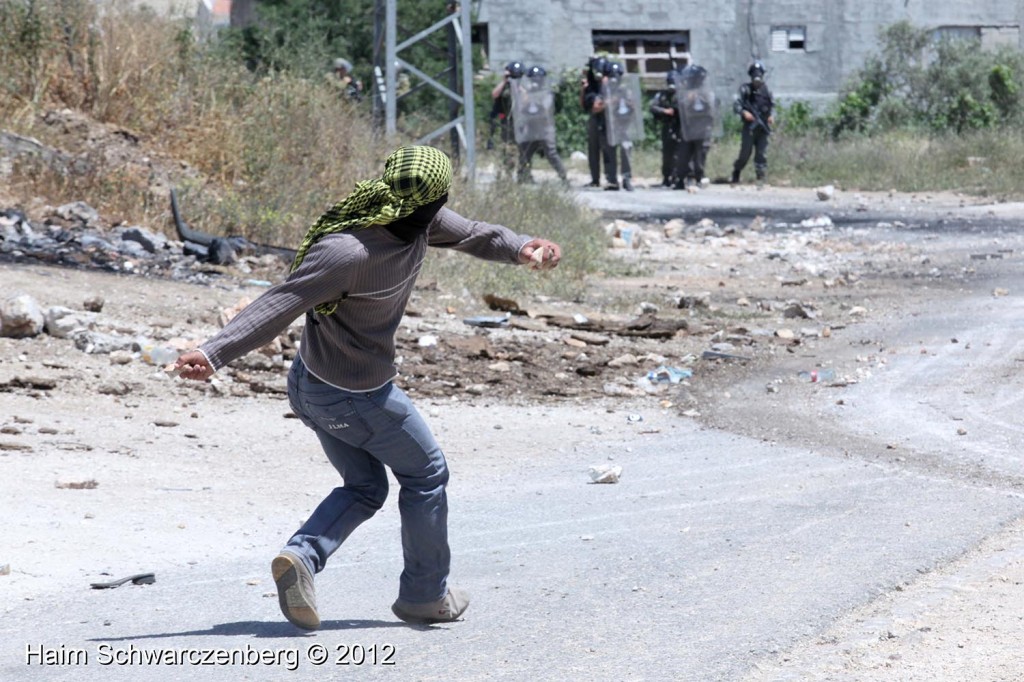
20	317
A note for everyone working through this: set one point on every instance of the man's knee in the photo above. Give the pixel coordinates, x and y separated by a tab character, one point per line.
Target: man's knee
371	494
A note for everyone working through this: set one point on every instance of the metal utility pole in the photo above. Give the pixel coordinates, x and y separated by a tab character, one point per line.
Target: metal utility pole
461	124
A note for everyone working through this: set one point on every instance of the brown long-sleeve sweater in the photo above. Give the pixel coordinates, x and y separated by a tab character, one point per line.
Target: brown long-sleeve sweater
371	272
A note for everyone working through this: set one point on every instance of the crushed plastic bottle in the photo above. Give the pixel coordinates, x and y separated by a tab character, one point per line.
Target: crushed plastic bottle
668	375
159	355
817	376
487	321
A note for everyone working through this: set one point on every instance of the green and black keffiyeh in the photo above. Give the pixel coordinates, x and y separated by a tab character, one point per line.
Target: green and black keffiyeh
413	176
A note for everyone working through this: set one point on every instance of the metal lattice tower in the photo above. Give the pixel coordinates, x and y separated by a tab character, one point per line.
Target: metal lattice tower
387	60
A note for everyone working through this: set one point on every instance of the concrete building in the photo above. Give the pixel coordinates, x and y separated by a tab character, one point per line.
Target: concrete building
809	47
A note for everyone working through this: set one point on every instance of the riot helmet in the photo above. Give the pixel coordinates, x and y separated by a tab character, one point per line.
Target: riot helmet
515	69
614	70
756	71
694	76
535	76
597	65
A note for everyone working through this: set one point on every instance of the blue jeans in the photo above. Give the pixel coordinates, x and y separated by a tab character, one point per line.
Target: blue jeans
361	433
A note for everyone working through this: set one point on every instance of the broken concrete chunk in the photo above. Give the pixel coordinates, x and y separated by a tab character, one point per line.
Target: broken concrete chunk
94	304
590	338
61	322
699	300
627	360
605	473
96	343
796	310
20	317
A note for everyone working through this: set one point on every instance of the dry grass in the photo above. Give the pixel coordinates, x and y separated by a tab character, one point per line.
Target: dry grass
544	210
984	163
271	152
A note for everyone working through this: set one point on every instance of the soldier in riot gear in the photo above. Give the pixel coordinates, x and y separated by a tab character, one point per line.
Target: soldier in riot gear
623	124
754	105
533	121
593	103
698	110
501	112
663	108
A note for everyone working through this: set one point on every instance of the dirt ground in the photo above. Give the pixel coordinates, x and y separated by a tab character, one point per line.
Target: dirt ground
745	305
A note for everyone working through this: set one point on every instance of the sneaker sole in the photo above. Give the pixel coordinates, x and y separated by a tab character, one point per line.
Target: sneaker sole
422	620
294	604
419	619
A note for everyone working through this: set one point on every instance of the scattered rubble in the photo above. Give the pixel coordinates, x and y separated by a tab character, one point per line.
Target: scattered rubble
718	295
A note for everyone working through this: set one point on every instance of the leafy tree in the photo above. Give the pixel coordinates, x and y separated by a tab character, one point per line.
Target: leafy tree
1005	92
917	82
304	37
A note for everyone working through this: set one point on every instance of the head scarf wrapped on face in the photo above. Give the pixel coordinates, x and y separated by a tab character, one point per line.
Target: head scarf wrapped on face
414	176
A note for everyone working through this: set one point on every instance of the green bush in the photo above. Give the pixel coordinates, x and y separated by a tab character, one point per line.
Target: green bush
918	83
797	118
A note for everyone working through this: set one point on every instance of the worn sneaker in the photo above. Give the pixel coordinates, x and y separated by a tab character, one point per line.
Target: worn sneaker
295	591
441	611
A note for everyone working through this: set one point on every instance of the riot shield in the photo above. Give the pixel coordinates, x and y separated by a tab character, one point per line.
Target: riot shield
697	106
533	110
624	116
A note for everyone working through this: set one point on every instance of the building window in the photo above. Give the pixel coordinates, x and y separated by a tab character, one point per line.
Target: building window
993	37
648	53
481	40
789	39
990	37
956	33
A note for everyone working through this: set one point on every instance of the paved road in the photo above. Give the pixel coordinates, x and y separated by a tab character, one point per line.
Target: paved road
712	551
